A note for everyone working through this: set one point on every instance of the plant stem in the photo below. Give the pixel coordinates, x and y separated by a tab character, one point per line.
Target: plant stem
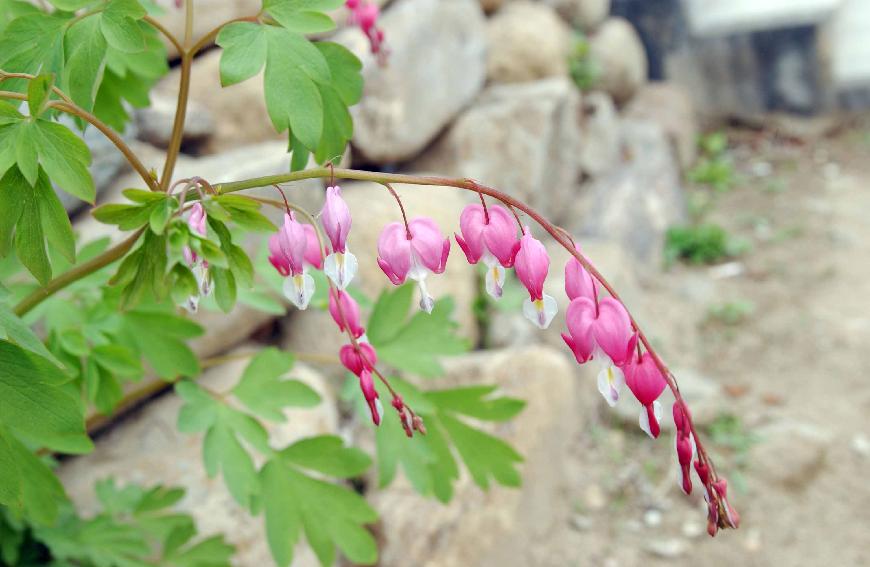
166	33
78	272
70	107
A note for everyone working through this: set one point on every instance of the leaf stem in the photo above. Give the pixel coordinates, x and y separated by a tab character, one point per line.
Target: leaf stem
78	272
166	33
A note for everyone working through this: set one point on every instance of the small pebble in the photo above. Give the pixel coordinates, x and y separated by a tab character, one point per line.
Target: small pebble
669	548
861	445
580	522
652	518
692	529
595	497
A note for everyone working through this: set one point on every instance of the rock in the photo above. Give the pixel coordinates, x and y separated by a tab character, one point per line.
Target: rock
106	161
617	49
790	454
240	109
527	41
860	444
669	548
501	526
444	205
637	202
703	395
148	449
155	122
437	64
670	106
313	332
584	14
522	139
208	14
600	150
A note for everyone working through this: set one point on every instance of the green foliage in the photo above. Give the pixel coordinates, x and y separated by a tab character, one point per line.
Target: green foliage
414	343
701	244
136	527
583	69
289	488
730	312
714	168
430	461
308	87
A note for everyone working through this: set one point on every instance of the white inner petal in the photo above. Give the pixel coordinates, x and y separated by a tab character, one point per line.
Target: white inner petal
299	290
426	301
644	418
495	276
610	381
340	268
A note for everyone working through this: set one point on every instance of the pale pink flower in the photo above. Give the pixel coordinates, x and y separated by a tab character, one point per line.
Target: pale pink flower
358	359
345	312
287	254
197	219
367	385
313	255
532	263
646	382
490	235
415	252
578	281
684	446
340	265
601	329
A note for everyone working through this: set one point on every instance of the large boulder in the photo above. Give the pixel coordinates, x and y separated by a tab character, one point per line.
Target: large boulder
637	202
501	526
240	109
156	121
617	49
527	41
148	449
584	14
522	139
670	106
436	66
600	151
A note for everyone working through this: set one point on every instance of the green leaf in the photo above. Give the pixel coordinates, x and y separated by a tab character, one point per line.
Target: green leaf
143	272
485	455
327	454
120	27
346	71
65	158
86	61
26	483
415	345
262	390
127	217
161	212
224	288
119	360
476	402
30	239
161	337
330	515
39	93
13	188
33	404
32	44
244	212
244	52
13	329
303	16
55	222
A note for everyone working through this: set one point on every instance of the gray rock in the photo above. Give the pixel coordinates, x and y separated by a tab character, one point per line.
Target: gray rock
147	448
437	64
669	548
600	151
617	49
790	453
527	41
522	139
670	106
637	202
584	14
155	122
500	526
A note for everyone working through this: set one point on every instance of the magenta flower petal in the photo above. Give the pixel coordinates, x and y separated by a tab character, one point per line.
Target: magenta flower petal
532	264
428	244
578	281
348	317
336	219
394	252
313	256
613	330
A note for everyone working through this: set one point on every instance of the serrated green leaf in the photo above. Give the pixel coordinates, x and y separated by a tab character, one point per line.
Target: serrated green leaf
30	239
390	311
346	71
33	404
485	455
224	288
119	360
244	52
303	16
32	44
26	483
55	222
477	402
65	158
161	337
337	127
26	152
143	272
161	212
299	157
86	61
13	329
262	390
12	194
120	28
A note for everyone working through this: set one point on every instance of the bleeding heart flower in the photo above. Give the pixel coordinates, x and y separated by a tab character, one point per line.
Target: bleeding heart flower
365	14
197	219
578	281
489	234
358	359
415	252
345	312
646	382
367	385
313	255
684	446
341	265
287	254
532	263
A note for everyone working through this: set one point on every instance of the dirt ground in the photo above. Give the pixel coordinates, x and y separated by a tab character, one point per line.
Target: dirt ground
789	355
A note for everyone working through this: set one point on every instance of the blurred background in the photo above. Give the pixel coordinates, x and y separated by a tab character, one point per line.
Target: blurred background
710	157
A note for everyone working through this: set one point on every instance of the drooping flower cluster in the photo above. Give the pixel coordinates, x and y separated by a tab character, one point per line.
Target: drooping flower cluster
196	223
364	13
